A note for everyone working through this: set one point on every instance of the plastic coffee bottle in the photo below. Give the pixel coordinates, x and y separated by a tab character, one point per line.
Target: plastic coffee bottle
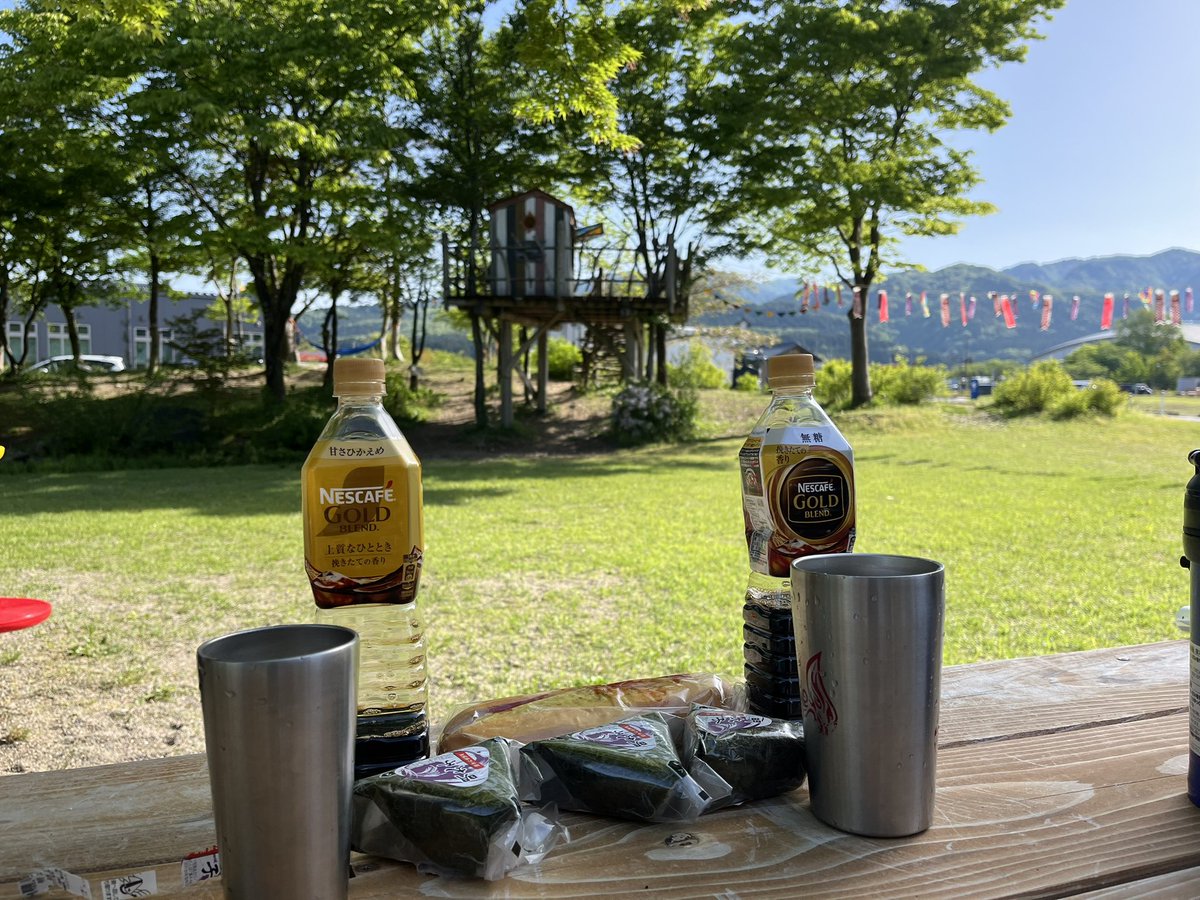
797	499
363	548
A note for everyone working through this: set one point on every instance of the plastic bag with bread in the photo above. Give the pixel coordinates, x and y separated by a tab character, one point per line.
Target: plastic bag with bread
535	717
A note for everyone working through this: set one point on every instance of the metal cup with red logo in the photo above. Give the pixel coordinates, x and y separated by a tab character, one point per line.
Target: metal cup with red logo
869	643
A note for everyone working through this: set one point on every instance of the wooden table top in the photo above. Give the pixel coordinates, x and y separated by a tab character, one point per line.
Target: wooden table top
1057	776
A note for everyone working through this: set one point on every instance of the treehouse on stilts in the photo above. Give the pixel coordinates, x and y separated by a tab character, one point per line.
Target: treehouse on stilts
540	271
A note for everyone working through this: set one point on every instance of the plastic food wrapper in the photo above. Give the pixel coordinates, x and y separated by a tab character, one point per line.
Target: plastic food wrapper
628	769
454	814
758	757
554	713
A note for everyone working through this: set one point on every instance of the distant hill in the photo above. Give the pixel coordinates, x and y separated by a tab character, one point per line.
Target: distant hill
774	309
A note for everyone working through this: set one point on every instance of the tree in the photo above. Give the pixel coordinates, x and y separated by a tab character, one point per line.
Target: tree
663	190
61	211
836	115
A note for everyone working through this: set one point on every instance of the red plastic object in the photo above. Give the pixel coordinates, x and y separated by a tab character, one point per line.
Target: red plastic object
22	612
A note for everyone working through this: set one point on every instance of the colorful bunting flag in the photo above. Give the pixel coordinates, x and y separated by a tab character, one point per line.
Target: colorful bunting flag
1125	306
857	308
1033	296
1176	312
1010	320
1106	313
1160	307
945	310
1188	300
1075	308
924	306
1047	306
971	308
908	302
883	306
962	308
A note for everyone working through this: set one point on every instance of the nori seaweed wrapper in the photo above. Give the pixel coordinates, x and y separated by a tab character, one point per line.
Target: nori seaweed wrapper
758	757
628	770
454	814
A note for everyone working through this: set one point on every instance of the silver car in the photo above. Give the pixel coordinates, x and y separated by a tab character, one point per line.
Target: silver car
92	364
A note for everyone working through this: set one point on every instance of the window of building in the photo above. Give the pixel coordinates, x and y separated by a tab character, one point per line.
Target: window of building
16	334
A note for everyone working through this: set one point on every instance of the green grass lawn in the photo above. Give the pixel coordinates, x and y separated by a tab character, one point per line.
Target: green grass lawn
554	571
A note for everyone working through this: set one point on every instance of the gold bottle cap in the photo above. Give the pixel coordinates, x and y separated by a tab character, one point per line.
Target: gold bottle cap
358	375
790	369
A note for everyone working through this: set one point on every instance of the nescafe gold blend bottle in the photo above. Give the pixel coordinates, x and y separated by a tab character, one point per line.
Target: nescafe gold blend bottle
364	544
797	500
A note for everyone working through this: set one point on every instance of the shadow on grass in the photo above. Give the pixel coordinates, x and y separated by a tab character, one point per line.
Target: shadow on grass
275	489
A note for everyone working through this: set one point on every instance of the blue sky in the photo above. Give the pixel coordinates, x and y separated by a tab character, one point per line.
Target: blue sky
1102	153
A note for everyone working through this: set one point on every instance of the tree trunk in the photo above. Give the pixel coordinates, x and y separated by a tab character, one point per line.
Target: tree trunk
329	337
275	303
860	360
152	360
481	417
68	311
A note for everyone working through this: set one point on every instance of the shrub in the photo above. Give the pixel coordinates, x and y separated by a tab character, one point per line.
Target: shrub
696	369
644	413
1034	390
748	382
401	401
903	385
1102	397
833	388
562	358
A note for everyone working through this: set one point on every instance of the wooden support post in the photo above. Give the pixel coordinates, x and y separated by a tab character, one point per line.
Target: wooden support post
660	340
543	378
505	368
629	369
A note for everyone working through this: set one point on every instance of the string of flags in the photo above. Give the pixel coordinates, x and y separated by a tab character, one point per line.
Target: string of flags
1168	306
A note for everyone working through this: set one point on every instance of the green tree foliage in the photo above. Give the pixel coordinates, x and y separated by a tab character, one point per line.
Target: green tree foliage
1141	351
696	369
61	196
836	118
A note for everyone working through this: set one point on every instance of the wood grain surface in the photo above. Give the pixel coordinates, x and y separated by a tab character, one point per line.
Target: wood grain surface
1057	776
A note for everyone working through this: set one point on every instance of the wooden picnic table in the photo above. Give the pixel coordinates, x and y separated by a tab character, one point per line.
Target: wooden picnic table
1057	776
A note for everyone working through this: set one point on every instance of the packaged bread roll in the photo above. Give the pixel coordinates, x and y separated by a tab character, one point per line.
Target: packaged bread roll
555	713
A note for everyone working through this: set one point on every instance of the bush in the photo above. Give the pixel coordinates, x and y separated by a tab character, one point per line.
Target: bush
1034	390
696	369
1102	397
747	382
903	385
402	402
833	389
645	413
562	358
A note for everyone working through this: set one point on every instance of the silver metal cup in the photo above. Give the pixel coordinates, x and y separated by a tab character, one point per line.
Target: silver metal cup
279	715
869	645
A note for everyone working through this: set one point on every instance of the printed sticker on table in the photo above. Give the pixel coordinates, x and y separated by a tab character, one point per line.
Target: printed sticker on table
43	880
200	867
143	884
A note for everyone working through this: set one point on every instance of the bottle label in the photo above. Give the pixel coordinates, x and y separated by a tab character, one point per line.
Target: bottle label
363	528
797	497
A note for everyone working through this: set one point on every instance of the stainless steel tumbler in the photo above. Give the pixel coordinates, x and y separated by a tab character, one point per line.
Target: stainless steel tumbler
279	715
869	644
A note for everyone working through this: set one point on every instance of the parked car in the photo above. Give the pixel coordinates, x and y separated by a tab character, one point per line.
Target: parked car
1138	388
93	364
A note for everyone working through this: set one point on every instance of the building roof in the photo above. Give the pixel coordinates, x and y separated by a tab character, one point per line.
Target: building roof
535	192
1190	332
